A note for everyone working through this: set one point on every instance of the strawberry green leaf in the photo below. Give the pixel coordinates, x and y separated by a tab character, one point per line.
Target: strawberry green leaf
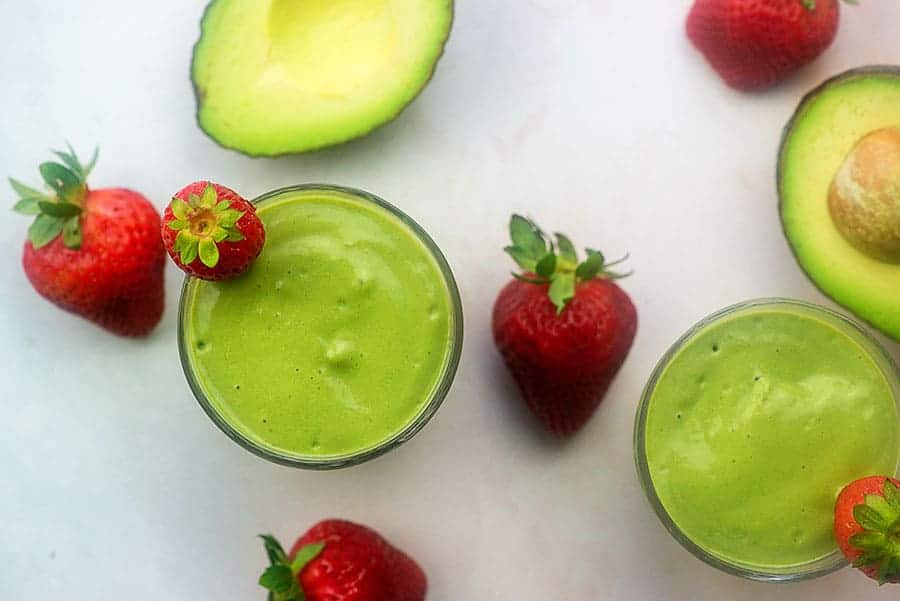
72	232
234	236
59	209
891	495
209	197
25	191
229	218
884	509
305	555
209	252
71	161
274	550
567	250
223	206
183	240
180	209
278	578
562	290
219	234
868	541
591	266
27	206
60	178
86	170
525	235
44	230
177	225
869	518
809	4
525	278
521	257
546	266
188	252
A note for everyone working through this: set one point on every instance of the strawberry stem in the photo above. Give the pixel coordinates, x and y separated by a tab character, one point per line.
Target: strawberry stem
556	265
60	211
280	578
879	542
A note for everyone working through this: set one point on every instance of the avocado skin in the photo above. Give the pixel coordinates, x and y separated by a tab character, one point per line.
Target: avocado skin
855	73
199	95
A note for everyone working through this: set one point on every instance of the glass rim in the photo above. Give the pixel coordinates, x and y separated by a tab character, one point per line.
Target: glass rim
815	568
435	397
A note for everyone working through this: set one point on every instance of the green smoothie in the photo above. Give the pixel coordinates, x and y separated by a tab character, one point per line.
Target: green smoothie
758	421
336	338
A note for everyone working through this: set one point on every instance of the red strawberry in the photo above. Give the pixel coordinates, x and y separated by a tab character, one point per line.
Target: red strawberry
211	232
867	526
563	329
338	560
753	44
96	253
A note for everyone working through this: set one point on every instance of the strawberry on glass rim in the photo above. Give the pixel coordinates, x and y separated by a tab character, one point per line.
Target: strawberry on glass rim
93	252
563	326
867	527
211	232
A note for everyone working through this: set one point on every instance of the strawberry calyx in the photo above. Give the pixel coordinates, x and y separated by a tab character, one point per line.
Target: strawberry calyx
555	264
280	578
58	212
202	222
879	541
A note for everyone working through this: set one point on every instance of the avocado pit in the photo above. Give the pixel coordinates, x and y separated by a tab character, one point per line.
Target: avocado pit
864	197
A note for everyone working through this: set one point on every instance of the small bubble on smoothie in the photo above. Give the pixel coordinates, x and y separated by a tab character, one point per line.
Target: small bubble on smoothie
678	415
201	345
237	386
279	284
715	347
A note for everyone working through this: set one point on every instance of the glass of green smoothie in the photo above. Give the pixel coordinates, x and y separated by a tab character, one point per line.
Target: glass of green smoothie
338	344
750	426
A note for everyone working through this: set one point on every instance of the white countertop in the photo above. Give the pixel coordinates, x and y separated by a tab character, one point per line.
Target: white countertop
596	118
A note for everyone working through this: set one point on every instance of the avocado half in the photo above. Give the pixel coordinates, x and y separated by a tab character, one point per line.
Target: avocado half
278	77
824	129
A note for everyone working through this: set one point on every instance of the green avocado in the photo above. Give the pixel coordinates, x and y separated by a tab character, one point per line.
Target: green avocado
818	142
278	77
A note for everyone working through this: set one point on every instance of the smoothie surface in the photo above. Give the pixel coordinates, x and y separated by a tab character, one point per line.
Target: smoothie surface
335	338
757	423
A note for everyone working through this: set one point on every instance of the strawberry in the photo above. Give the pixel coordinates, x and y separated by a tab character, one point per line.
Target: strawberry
338	560
211	232
867	526
754	44
563	328
96	253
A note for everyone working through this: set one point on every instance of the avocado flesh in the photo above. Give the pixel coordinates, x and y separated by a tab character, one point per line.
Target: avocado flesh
287	76
826	126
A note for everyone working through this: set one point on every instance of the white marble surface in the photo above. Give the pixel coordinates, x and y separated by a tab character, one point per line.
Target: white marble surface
596	118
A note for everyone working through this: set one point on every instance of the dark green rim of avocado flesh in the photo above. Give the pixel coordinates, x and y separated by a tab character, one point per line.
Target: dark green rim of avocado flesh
889	71
199	94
